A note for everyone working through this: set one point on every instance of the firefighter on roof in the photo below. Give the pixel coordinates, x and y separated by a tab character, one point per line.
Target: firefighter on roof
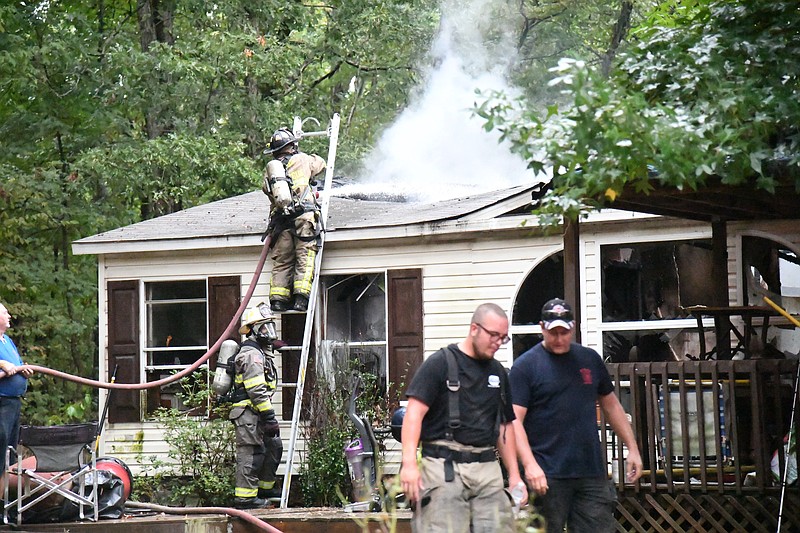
293	219
258	442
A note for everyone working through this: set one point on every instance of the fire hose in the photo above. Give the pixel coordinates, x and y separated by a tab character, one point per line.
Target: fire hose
175	377
244	515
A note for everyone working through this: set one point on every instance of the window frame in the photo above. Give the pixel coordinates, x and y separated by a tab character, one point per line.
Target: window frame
600	327
361	344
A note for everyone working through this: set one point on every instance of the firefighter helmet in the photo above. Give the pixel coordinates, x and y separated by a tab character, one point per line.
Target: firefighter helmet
282	138
260	322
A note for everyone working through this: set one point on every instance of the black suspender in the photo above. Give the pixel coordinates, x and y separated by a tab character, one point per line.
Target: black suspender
454	413
453	385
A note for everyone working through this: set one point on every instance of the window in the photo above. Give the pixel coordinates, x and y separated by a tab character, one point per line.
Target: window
545	282
176	331
772	269
166	329
654	280
646	288
355	324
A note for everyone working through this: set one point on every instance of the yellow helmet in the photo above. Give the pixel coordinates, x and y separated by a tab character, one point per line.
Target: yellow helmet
262	313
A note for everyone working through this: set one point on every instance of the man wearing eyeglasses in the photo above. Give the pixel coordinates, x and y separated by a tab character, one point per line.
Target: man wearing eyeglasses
556	386
460	412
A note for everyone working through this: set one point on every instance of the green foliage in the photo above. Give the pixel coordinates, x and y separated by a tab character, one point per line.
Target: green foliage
325	479
710	89
324	476
106	121
201	453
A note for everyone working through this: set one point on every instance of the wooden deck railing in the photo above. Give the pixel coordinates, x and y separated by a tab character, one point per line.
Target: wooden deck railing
711	426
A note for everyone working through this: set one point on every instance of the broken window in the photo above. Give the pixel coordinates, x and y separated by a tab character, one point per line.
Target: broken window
355	327
653	281
772	269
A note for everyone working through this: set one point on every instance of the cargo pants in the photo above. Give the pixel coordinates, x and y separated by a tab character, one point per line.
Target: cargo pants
476	501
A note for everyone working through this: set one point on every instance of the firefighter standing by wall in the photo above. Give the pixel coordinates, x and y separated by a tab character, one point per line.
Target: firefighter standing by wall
293	220
258	442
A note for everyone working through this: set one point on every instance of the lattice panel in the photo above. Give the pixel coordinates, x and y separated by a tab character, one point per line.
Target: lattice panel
700	513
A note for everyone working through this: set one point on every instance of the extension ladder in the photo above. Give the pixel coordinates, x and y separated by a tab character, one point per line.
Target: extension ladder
333	133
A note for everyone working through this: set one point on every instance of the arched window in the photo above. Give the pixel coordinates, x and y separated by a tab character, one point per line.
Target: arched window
772	269
544	282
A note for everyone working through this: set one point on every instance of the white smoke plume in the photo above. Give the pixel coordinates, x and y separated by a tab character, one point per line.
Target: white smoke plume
437	149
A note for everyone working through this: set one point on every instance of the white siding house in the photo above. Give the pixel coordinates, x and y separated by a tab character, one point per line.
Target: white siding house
458	253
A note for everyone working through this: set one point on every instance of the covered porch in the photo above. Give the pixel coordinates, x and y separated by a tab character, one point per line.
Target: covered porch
712	424
711	434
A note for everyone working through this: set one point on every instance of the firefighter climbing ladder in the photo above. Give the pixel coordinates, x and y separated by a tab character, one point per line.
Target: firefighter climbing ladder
333	133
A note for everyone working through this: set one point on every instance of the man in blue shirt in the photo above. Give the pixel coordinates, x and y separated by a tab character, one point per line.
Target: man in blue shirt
555	387
13	384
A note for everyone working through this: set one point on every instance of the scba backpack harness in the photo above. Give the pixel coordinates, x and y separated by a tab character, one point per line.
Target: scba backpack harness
283	219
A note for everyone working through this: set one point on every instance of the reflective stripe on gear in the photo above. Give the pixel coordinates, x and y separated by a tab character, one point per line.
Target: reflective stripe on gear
256	372
300	168
245	492
279	293
252	382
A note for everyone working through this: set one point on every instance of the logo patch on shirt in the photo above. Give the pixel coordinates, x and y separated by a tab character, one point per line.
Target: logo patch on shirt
494	381
586	374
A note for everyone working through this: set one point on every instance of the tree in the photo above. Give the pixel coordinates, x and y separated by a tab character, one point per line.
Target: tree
115	111
710	89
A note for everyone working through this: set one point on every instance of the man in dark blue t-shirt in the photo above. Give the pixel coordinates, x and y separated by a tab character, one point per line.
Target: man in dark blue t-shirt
555	387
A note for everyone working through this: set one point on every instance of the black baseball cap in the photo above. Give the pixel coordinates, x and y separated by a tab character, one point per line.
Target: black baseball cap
557	313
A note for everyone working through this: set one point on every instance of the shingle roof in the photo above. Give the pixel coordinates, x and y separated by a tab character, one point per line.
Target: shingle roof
247	214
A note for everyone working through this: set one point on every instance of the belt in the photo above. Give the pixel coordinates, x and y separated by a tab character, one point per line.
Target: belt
443	452
451	456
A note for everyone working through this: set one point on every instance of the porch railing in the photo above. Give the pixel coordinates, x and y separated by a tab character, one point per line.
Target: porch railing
705	425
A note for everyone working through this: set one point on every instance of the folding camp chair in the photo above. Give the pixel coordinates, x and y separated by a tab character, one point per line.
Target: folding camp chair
679	423
62	471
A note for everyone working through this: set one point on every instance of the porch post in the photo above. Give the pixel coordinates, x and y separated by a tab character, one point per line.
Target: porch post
719	262
572	266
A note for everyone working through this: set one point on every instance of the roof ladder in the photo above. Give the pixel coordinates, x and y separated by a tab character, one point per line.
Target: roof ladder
333	134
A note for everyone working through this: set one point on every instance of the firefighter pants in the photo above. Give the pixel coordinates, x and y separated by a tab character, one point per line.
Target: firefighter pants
293	260
474	502
258	454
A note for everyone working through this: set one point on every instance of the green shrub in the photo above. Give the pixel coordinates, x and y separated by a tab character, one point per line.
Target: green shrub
324	476
202	458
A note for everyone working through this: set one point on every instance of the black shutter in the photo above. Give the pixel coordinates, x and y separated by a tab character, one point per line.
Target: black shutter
405	327
123	349
224	297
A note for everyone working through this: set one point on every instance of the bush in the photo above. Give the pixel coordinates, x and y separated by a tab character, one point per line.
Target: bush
202	453
324	476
